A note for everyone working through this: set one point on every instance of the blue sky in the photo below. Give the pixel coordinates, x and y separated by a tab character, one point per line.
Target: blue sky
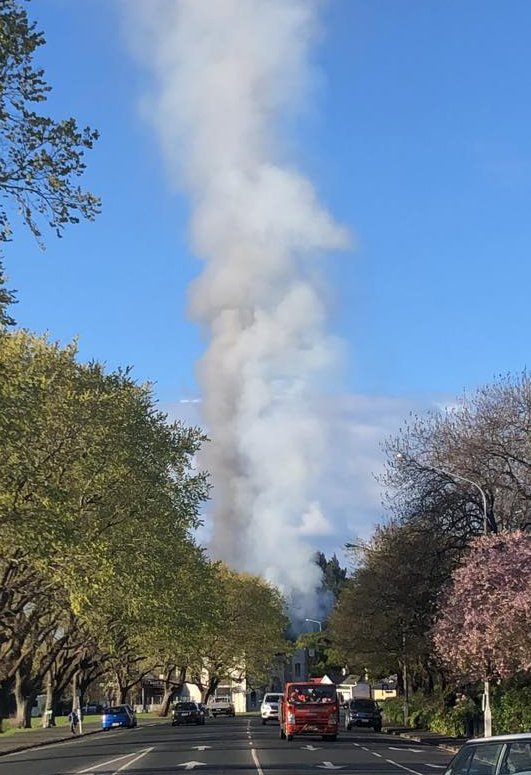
417	138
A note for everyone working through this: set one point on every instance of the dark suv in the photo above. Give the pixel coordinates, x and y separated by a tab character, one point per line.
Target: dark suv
187	713
363	713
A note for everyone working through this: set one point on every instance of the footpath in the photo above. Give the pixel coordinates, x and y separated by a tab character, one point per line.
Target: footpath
34	738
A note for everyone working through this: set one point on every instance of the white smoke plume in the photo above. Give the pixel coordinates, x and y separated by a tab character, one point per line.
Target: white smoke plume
227	73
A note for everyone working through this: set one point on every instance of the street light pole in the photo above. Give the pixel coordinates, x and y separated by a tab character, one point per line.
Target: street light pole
487	713
315	621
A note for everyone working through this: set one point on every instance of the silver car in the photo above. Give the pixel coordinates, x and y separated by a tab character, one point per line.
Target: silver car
269	706
499	755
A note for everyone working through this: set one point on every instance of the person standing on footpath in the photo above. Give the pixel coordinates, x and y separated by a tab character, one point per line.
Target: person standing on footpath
73	718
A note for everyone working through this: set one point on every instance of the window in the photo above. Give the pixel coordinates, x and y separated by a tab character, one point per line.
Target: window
485	759
476	760
517	759
368	706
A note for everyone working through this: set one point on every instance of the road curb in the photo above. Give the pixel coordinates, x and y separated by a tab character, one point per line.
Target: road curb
418	739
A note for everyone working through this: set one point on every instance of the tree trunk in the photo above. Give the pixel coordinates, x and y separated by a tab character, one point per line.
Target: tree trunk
209	690
6	688
171	687
48	718
24	702
169	694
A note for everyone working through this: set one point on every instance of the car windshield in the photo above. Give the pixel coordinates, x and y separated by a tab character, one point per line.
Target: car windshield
115	711
366	705
185	706
272	697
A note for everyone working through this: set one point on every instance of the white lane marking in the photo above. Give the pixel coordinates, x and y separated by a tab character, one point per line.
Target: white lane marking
415	772
379	755
330	766
256	762
415	750
201	747
191	765
357	744
309	748
436	766
95	767
125	766
365	748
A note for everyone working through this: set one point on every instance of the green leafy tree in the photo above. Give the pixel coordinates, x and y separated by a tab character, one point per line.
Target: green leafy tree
386	608
250	633
97	496
7	298
41	158
334	576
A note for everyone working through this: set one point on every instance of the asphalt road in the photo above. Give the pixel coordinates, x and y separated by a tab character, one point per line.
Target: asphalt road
222	746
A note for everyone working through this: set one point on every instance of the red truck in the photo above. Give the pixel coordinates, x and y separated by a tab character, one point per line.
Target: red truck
309	709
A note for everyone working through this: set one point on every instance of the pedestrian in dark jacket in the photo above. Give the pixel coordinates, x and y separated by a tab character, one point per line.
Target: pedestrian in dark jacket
73	718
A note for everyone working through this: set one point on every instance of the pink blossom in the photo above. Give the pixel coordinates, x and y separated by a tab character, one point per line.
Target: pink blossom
484	625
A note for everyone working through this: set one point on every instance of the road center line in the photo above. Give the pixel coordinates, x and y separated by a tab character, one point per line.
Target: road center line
415	772
256	762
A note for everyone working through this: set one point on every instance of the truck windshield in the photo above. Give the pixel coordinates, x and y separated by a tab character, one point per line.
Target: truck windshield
317	693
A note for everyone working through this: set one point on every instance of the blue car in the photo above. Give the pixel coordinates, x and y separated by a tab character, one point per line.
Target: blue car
118	716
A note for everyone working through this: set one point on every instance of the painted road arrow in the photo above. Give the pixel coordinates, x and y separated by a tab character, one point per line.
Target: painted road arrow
201	747
330	766
191	765
309	748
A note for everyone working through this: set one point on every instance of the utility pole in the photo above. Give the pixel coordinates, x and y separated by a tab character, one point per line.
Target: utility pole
405	678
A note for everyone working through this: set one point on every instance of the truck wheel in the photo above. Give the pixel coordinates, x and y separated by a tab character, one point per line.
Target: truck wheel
289	738
282	733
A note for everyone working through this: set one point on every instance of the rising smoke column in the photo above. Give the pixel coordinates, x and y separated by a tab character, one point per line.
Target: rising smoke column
227	73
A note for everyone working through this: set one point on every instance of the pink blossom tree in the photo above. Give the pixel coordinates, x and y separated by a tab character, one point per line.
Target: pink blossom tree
483	630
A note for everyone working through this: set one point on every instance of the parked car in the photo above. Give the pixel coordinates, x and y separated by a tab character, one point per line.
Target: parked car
269	706
499	755
187	713
221	706
92	709
363	713
118	716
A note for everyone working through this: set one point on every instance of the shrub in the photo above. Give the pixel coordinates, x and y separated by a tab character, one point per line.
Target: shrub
511	709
